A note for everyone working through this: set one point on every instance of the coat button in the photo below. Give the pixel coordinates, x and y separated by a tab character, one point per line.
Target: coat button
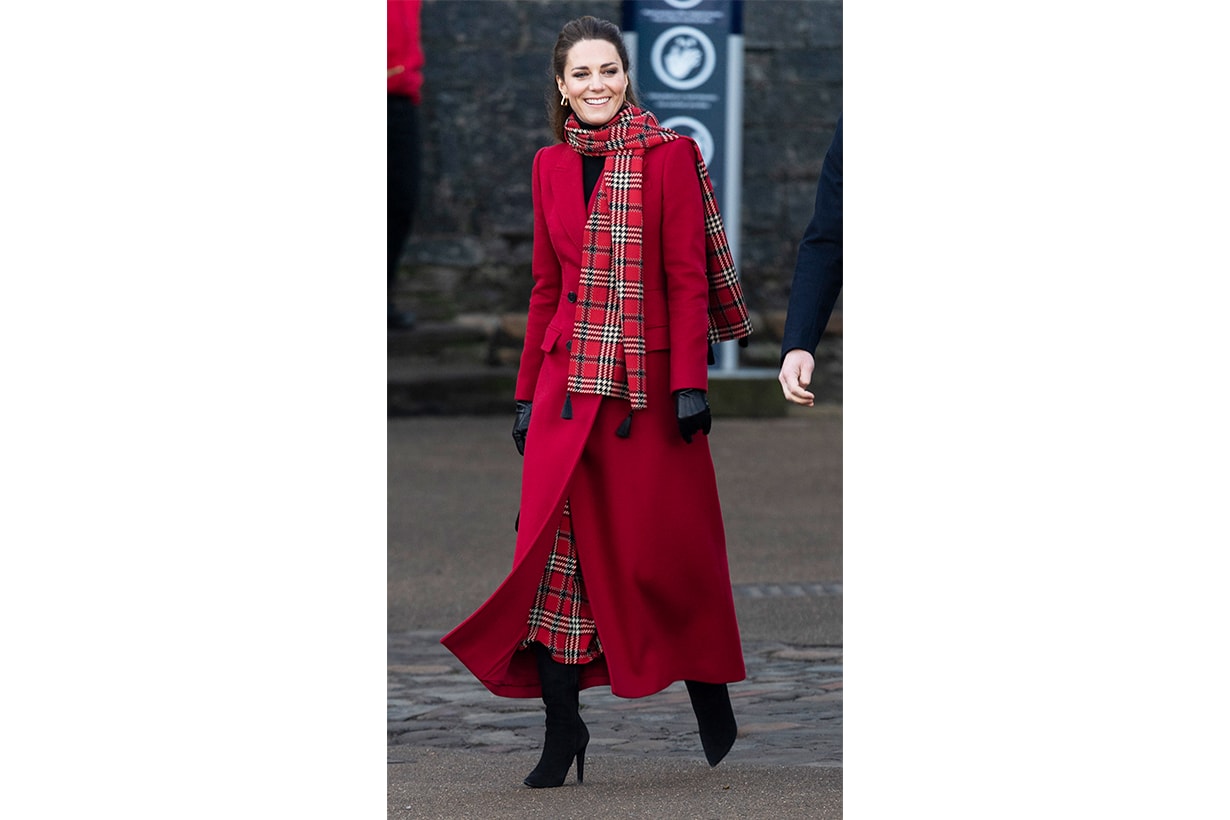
572	297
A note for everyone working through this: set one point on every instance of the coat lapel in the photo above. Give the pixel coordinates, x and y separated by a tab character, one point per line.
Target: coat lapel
570	196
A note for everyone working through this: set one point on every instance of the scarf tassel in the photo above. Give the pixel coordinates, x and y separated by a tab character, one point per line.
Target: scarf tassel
567	413
625	427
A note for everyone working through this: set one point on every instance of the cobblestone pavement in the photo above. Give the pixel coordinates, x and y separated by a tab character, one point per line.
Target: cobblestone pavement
789	708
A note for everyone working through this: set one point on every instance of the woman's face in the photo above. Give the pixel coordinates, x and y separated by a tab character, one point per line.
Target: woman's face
594	81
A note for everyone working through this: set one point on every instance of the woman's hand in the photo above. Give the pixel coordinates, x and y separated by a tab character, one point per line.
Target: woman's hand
692	410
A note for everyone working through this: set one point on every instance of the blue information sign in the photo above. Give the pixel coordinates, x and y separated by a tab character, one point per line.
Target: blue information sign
687	63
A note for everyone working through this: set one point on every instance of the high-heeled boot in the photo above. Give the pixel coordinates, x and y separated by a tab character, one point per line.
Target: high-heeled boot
714	717
566	736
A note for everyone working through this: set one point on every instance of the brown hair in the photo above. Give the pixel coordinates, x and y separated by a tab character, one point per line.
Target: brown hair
573	32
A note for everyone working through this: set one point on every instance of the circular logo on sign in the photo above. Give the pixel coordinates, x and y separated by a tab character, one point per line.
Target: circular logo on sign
697	131
683	57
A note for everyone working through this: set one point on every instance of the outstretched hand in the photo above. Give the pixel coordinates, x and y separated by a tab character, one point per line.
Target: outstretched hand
795	377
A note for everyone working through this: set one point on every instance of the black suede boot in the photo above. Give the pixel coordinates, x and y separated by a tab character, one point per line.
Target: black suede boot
567	736
714	717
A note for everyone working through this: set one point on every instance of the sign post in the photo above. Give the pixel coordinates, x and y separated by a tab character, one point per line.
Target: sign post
687	61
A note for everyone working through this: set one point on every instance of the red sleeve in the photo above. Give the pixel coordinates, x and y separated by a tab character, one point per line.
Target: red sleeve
683	260
544	299
405	48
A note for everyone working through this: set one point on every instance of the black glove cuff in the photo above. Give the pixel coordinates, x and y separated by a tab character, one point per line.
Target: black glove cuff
690	402
521	424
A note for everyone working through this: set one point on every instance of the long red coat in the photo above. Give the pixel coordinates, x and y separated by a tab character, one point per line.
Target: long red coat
645	515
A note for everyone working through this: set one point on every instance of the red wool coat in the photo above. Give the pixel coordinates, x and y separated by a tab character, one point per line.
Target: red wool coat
645	514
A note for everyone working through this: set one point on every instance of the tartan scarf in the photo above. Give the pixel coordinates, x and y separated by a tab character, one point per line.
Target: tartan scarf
610	305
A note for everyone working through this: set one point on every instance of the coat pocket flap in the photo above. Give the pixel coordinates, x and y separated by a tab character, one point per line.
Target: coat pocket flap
549	339
657	338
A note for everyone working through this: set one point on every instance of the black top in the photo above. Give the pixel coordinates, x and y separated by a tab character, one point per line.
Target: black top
591	169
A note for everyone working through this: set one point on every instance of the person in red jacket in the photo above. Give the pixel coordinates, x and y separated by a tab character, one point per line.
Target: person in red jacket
405	95
620	574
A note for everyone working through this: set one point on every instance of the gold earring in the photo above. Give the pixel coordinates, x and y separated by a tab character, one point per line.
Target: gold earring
563	99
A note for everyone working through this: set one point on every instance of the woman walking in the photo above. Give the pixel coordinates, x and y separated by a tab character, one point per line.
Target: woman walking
619	573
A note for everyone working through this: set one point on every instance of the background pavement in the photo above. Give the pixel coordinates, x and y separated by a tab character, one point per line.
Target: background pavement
456	751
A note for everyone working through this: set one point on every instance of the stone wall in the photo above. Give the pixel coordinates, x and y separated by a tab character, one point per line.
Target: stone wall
484	116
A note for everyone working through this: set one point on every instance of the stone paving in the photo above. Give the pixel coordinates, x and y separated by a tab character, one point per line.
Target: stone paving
456	751
789	708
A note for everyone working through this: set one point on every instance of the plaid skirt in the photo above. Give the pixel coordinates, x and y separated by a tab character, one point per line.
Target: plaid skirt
561	618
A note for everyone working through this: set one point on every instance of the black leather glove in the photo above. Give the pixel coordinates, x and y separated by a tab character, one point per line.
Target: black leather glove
692	410
521	425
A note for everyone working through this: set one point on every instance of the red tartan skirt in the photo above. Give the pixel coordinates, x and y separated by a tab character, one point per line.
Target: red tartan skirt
561	618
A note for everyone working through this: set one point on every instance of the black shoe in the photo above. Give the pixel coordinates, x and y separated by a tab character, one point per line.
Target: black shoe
714	717
567	737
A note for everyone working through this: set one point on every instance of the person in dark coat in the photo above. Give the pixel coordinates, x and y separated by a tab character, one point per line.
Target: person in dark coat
817	282
620	575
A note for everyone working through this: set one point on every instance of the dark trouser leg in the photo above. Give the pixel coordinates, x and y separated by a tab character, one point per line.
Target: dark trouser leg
403	180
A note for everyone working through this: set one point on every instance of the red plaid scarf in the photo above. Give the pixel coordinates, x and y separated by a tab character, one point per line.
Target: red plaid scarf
610	305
